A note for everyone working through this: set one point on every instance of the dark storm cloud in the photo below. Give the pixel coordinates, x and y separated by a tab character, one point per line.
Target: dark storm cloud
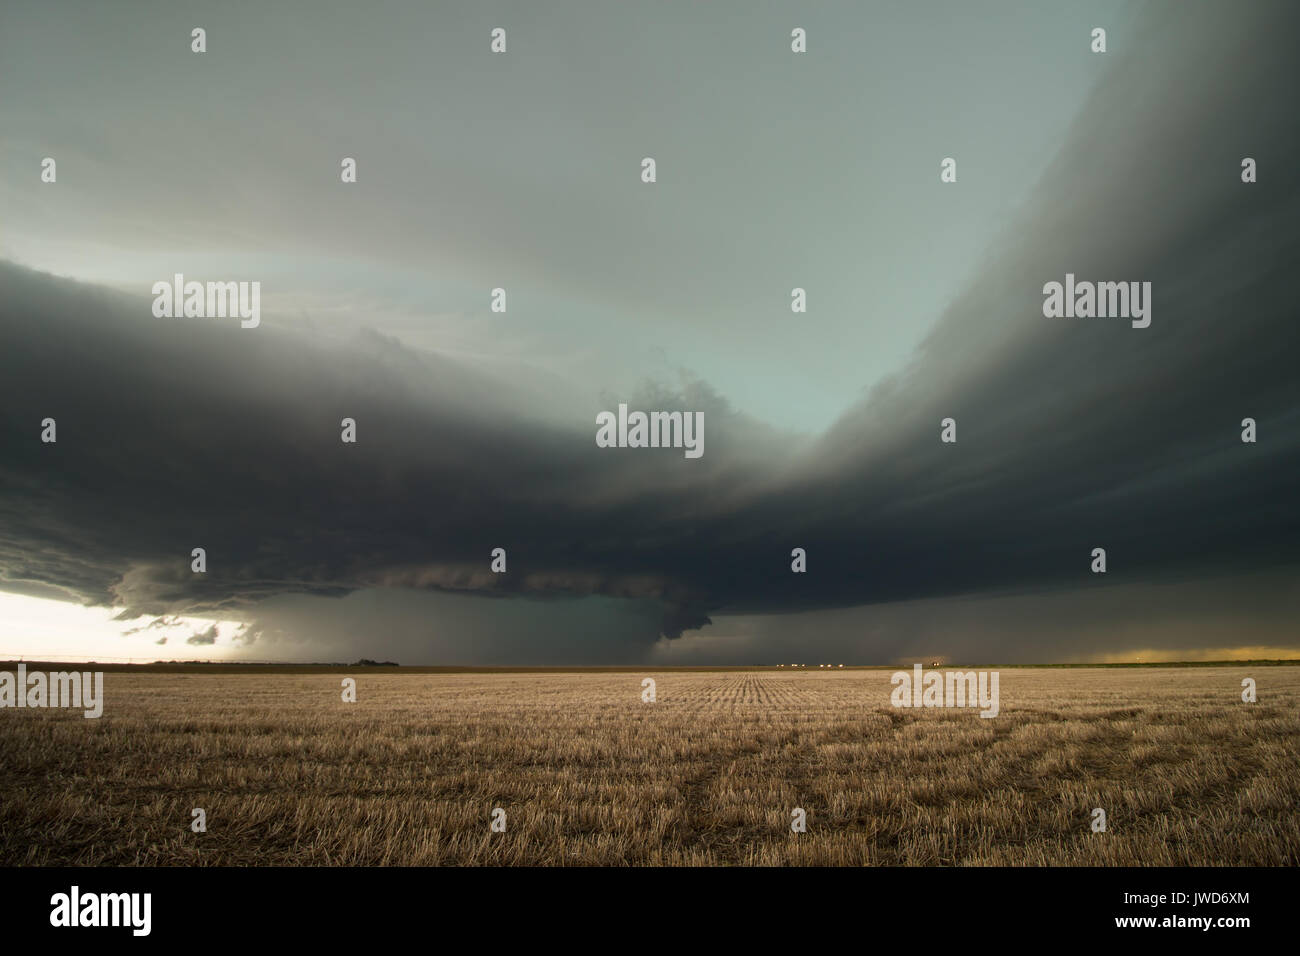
1078	433
176	434
201	638
155	624
1073	433
421	626
1234	616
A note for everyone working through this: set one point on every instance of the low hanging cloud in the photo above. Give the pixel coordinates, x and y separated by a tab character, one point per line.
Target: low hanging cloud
1072	433
203	638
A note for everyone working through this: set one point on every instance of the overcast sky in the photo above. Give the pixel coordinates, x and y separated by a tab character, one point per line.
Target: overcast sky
476	429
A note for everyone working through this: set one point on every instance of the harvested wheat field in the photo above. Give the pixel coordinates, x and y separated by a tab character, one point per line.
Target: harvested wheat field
709	773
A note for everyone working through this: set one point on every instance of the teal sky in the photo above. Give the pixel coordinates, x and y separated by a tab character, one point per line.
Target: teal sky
521	171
